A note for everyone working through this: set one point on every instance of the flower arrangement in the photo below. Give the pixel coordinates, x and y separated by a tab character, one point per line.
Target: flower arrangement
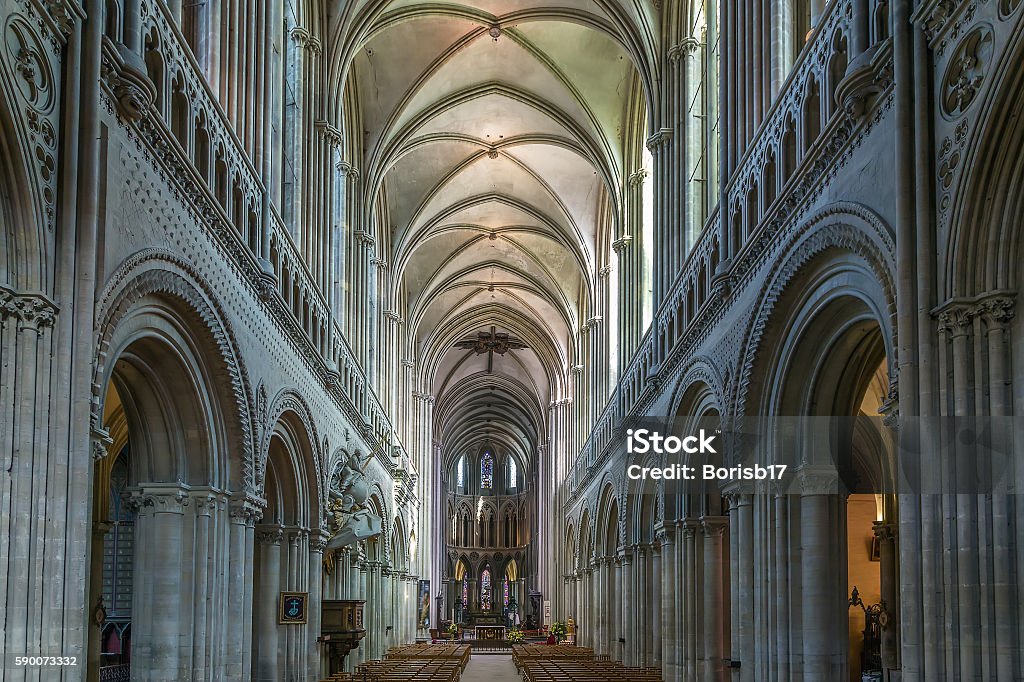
514	635
453	630
559	630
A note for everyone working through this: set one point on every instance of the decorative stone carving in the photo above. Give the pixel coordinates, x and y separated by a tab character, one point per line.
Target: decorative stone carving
350	520
33	312
27	57
966	71
956	317
125	76
158	500
818	479
270	535
245	510
1008	7
100	441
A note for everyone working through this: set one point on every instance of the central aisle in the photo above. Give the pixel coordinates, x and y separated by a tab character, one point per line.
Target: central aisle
490	668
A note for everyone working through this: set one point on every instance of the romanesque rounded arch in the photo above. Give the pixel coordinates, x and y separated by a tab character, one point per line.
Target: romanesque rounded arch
585	542
377	505
701	384
841	241
156	286
290	443
399	548
608	526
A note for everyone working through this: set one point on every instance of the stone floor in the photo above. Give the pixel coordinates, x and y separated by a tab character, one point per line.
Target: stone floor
491	668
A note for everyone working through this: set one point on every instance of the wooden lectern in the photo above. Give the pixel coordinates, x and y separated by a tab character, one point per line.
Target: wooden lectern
341	628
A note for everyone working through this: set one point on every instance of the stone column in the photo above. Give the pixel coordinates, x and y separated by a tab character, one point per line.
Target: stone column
387	610
597	639
317	543
244	511
99	533
156	598
744	606
204	504
642	608
655	626
781	557
885	531
668	643
713	528
29	556
267	667
693	597
819	570
625	606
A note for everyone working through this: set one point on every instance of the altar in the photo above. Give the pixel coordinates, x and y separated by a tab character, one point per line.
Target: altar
490	632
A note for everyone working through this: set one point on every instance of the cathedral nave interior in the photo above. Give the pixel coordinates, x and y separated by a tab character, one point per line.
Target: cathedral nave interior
323	324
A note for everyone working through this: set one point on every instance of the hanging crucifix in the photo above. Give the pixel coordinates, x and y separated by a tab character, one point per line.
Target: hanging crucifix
491	343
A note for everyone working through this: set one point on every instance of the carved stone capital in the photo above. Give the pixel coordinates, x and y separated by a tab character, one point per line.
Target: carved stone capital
659	139
158	499
714	526
100	442
999	310
33	311
331	135
205	502
957	318
318	540
423	397
269	534
818	479
246	509
637	178
884	530
622	243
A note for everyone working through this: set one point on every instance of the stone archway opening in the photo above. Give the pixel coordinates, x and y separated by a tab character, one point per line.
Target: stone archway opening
847	506
170	536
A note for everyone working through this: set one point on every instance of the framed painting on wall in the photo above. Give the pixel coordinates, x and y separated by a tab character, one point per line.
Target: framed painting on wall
293	608
423	606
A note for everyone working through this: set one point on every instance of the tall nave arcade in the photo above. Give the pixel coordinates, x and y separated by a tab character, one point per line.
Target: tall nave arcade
312	305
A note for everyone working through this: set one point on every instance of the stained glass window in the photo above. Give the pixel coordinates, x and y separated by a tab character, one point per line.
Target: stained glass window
505	590
487	470
461	472
512	472
485	590
465	593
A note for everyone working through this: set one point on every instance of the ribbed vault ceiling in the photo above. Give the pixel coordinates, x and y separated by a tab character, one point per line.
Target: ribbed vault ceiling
493	135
